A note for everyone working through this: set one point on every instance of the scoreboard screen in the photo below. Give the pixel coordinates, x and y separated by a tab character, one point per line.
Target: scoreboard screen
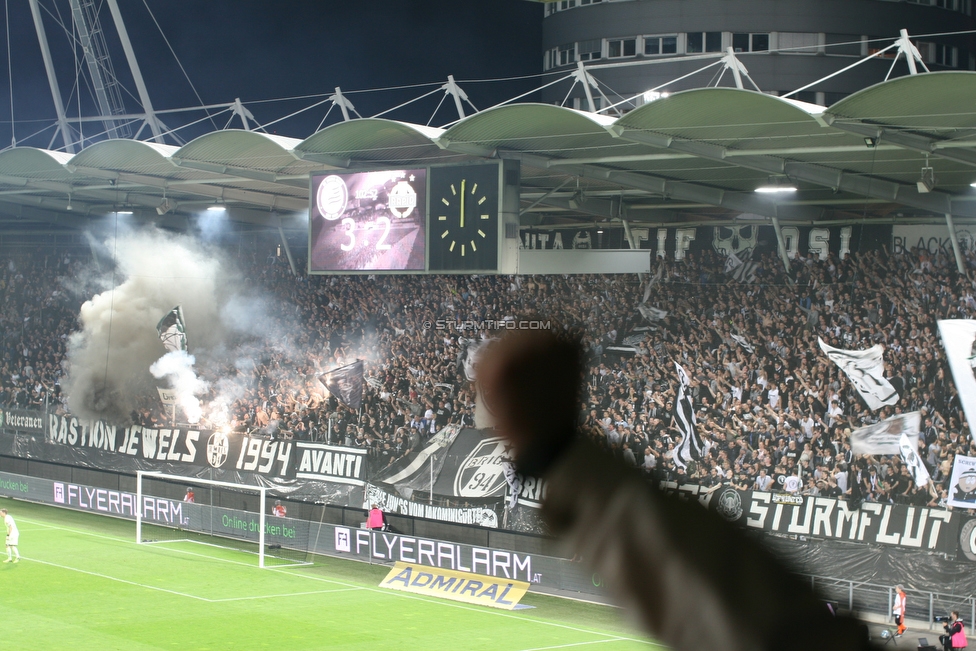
368	221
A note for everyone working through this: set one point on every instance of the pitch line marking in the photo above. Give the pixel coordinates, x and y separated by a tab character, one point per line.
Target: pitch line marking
571	644
114	578
610	637
278	596
488	611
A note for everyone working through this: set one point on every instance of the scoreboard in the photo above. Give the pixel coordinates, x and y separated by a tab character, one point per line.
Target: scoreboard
441	219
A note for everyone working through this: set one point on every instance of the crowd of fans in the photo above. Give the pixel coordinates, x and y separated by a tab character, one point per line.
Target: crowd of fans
773	412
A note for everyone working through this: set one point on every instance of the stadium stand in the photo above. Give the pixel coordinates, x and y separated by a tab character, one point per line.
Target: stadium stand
770	405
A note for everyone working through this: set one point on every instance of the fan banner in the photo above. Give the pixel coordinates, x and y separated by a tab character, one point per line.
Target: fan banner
874	523
389	502
958	339
865	370
962	484
101	445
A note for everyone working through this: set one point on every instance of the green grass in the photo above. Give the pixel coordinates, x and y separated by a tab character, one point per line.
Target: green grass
85	584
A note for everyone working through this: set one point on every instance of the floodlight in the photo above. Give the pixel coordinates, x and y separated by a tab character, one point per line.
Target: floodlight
216	209
165	206
651	95
870	143
777	185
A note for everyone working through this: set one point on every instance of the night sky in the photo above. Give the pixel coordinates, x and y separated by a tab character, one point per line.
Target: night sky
263	50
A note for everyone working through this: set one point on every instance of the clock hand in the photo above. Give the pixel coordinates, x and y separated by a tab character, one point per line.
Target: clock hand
462	202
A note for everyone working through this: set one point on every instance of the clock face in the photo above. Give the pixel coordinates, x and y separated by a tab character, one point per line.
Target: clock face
463	222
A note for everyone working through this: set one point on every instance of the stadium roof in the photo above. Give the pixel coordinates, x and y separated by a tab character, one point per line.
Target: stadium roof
692	157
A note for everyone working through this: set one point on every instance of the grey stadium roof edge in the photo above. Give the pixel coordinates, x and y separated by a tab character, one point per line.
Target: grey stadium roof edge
696	156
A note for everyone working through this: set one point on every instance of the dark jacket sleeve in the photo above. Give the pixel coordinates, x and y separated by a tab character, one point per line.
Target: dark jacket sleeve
690	579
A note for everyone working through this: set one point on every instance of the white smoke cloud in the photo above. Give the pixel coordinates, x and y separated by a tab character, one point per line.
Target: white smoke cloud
108	360
177	367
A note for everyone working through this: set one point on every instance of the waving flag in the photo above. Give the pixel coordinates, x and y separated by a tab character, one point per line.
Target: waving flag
346	384
691	445
886	436
909	455
172	330
865	370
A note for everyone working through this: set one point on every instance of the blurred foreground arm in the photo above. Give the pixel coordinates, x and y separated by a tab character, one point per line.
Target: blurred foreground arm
691	580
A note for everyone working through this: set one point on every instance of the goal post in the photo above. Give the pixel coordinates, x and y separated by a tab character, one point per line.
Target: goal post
222	514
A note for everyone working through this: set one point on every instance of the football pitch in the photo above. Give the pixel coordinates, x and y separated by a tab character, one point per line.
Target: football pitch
84	584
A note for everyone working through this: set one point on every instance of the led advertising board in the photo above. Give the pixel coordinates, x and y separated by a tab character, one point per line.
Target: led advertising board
368	221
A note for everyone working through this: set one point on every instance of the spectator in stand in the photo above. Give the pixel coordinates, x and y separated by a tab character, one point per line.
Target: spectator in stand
278	510
189	498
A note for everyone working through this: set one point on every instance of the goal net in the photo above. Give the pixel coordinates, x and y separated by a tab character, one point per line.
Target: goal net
224	515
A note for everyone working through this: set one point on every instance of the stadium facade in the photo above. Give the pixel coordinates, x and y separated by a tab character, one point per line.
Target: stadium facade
641	45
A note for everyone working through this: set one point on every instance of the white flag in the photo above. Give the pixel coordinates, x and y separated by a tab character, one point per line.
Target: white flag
909	454
885	437
958	337
653	281
652	314
172	330
742	341
865	370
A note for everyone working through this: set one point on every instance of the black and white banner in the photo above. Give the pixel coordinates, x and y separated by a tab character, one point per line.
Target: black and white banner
331	463
107	445
958	337
22	420
885	437
922	528
962	484
482	516
865	370
690	446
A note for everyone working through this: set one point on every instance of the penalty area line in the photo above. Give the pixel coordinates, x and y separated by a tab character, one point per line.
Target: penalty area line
280	596
608	637
118	580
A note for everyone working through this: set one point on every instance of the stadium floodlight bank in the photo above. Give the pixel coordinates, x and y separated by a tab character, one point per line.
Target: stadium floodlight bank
223	514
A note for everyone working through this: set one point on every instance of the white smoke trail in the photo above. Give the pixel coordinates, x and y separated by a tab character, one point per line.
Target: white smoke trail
177	367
